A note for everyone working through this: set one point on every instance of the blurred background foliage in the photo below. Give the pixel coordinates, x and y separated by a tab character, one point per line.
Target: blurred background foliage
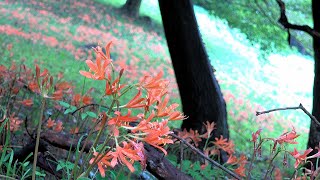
258	20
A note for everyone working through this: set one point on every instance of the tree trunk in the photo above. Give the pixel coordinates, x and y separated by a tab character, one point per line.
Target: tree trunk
200	92
131	7
314	134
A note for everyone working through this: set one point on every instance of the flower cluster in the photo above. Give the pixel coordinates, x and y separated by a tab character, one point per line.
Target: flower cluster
279	145
144	118
219	144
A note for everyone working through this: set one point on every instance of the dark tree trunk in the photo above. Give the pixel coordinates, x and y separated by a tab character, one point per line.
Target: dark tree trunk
200	93
131	7
314	135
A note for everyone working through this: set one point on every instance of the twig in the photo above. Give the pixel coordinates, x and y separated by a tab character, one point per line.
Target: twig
283	20
291	108
88	106
206	157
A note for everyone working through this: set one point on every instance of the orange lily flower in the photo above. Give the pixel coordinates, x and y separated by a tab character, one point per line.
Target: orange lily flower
58	127
176	115
144	124
287	137
77	98
154	95
97	70
303	157
256	135
158	135
136	101
125	155
115	87
156	82
103	163
122	120
224	144
50	123
14	122
57	95
163	110
191	136
232	160
241	170
63	85
33	86
99	51
27	102
209	127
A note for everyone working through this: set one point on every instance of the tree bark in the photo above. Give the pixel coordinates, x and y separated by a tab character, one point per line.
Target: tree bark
314	134
131	7
200	93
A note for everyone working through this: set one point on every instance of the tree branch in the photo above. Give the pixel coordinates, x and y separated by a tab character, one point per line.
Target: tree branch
157	165
283	20
291	108
231	173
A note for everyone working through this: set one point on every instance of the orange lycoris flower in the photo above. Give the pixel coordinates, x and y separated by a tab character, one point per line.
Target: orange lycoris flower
156	82
224	144
209	127
136	101
302	158
158	135
288	137
191	136
127	155
77	99
14	122
256	135
232	160
120	120
103	163
115	86
27	102
241	170
98	70
58	127
50	123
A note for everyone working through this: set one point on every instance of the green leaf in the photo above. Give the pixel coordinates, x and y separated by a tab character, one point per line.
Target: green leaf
40	174
26	164
71	109
92	114
197	166
83	178
68	111
69	165
84	115
59	167
64	104
186	164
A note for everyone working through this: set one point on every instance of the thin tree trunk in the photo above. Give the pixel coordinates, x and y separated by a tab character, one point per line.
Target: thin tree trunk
200	93
314	134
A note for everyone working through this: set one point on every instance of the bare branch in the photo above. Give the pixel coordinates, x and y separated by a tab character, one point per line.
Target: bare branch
231	173
283	20
292	108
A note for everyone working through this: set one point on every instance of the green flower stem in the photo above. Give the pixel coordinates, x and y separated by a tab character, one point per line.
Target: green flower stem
102	125
35	155
97	159
270	164
73	172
